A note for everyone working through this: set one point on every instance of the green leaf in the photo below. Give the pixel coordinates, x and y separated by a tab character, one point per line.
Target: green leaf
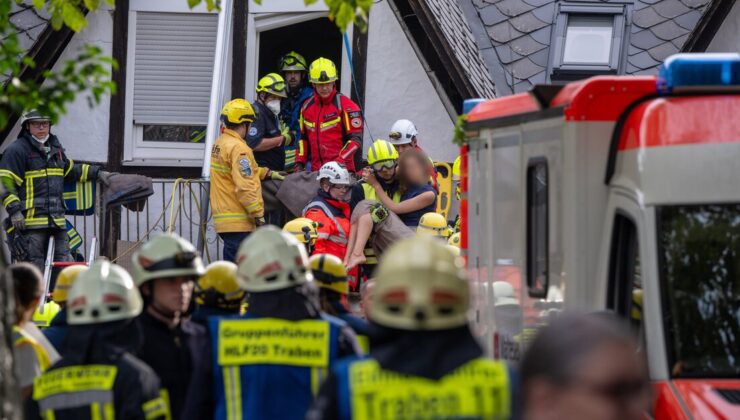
73	17
307	2
193	3
38	4
92	4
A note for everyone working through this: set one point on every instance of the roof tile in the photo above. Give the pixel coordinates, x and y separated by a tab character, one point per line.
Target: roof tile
503	32
670	8
541	57
542	35
688	20
680	41
662	51
650	1
526	45
545	13
695	4
524	68
645	39
527	23
490	15
506	55
513	8
668	30
538	3
539	78
522	87
643	60
647	18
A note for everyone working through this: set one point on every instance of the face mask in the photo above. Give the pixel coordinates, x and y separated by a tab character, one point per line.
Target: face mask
274	106
42	140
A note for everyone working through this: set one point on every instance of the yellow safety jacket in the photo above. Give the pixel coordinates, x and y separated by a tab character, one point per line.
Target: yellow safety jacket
478	389
22	338
236	192
370	194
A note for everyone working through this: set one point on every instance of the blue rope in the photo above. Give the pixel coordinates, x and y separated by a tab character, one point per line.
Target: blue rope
348	47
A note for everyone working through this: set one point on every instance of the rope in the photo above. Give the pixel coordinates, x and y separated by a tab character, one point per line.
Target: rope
348	48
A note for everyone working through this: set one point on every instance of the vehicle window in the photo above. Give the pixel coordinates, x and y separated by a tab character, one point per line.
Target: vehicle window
699	256
625	294
537	228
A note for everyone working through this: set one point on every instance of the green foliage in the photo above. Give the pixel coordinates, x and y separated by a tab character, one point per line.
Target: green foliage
458	136
89	72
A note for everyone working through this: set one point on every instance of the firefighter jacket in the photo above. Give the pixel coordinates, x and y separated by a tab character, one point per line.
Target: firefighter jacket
236	193
34	180
331	131
333	218
290	113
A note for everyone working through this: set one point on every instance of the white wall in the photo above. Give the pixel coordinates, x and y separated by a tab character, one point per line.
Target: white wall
397	87
727	38
84	131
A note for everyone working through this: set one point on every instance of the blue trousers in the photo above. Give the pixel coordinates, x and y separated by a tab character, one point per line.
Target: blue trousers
232	240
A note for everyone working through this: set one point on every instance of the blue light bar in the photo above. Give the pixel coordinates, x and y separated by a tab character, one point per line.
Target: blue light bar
469	104
682	72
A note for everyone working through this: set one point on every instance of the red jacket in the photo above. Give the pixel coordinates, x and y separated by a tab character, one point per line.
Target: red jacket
334	223
331	131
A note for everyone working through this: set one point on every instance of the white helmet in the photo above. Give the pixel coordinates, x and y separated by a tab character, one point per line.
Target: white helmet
335	173
503	294
402	132
270	259
103	293
166	255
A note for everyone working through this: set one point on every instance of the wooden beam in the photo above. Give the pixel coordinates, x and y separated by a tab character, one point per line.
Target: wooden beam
239	45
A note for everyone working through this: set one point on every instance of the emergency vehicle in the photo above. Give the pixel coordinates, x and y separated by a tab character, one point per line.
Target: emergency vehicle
616	193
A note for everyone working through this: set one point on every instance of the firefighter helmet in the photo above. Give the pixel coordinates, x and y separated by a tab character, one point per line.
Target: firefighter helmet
42	319
426	292
293	61
402	132
322	70
456	170
273	84
381	150
503	294
335	173
164	256
329	272
433	224
303	229
454	240
270	259
237	111
65	280
217	287
103	293
34	115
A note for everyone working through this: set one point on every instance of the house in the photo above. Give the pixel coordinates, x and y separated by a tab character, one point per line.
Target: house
718	30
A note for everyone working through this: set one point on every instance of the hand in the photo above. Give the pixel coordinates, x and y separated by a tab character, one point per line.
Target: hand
287	137
370	179
260	221
18	221
104	177
277	176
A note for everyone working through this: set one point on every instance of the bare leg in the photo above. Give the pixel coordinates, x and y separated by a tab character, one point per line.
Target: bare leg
364	229
351	241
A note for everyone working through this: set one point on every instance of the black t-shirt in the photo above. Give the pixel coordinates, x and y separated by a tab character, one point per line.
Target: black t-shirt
266	125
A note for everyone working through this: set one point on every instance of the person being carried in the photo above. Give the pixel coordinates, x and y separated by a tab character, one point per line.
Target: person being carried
417	198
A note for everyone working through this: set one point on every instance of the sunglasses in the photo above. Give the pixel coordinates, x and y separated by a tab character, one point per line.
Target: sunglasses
386	164
40	124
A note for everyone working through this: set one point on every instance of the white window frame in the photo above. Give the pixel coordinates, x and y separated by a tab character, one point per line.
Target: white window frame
136	151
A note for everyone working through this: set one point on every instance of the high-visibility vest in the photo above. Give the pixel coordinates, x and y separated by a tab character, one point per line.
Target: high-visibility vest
22	338
479	389
270	368
43	320
369	192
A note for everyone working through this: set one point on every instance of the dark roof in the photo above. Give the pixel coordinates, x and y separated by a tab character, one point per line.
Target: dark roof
29	25
515	35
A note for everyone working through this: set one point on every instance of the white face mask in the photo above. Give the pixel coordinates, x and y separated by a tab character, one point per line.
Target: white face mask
42	140
274	106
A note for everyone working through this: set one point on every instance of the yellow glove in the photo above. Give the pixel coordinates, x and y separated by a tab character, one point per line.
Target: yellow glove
276	176
285	132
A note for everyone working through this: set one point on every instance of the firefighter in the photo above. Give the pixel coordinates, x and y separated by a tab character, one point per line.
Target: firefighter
294	68
267	135
99	378
428	355
330	210
57	331
267	363
434	224
33	170
236	192
165	269
217	292
332	278
404	136
331	124
305	231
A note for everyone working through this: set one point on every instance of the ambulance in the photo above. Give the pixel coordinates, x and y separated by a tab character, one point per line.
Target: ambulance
616	193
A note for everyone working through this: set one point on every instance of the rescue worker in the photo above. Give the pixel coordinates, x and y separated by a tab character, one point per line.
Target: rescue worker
57	331
99	378
331	124
404	136
427	356
267	363
458	190
304	230
236	192
217	292
267	135
294	68
434	224
332	278
165	269
330	210
33	170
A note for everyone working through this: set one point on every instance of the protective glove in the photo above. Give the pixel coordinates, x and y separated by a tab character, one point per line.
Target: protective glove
260	221
287	136
378	213
277	176
104	177
18	221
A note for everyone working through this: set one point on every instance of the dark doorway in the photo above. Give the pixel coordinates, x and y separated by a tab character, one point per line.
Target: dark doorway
312	39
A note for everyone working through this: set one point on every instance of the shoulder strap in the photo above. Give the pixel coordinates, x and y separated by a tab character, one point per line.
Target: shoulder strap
342	238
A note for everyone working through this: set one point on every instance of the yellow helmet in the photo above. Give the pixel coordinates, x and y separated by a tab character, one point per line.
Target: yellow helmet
217	287
237	111
454	240
50	310
322	70
293	61
304	229
433	224
64	282
456	169
427	292
329	272
273	84
381	150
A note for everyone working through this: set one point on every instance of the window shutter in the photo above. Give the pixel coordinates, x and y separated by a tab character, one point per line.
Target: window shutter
173	67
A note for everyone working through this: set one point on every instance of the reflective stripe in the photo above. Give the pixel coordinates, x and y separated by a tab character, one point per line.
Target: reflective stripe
74	399
10	199
230	216
158	407
330	122
336	239
75	379
69	168
329	214
49	415
22	338
317	378
6	173
85	172
220	168
309	124
254	206
233	392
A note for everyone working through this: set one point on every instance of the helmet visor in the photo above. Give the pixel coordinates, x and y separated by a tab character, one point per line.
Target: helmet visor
179	260
385	164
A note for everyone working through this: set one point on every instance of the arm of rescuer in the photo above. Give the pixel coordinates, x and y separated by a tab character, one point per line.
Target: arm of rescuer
259	138
246	176
12	175
351	129
302	152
